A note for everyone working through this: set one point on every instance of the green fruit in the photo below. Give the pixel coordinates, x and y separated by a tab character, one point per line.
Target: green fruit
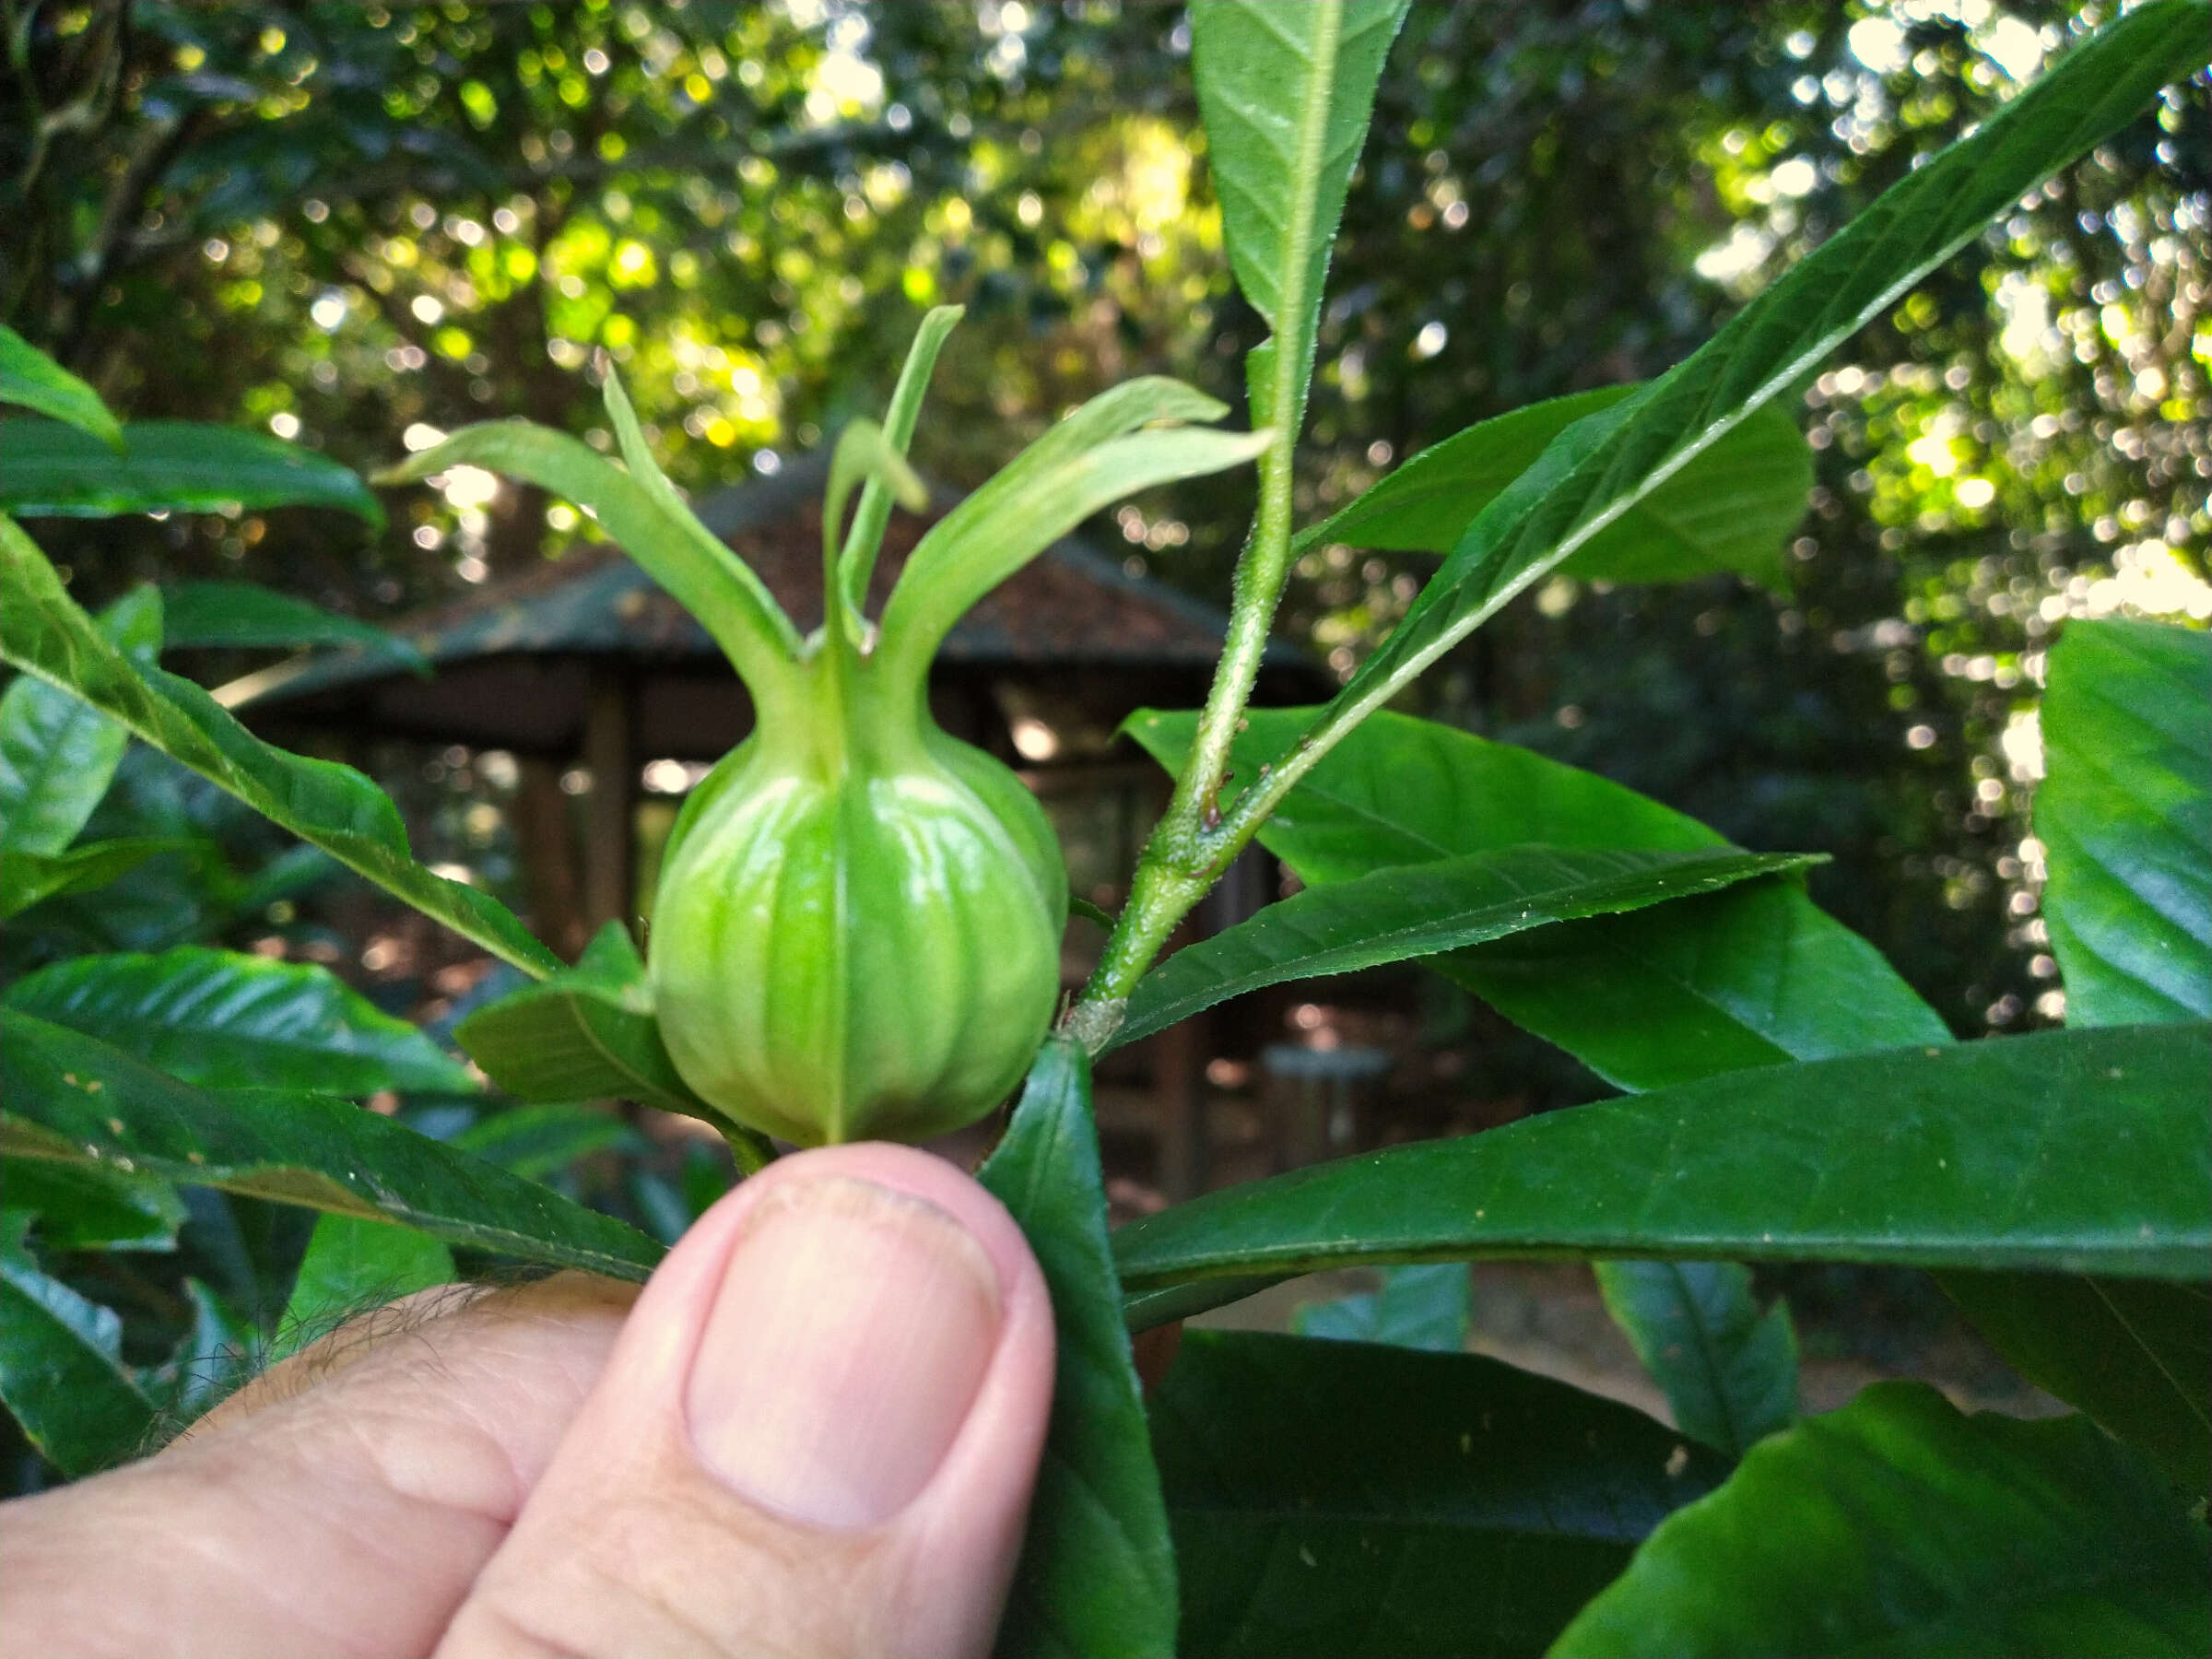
857	934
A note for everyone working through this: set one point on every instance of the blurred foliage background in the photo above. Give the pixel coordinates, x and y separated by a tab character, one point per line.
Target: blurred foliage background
360	226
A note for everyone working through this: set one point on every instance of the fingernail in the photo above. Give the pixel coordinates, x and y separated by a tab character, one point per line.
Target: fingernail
852	1331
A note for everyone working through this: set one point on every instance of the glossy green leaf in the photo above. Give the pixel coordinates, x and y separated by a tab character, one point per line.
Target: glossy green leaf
640	511
79	1207
1427	1305
2065	1151
72	1099
352	1265
1411	910
856	562
224	1019
1604	464
540	1142
57	754
1098	1572
31	380
62	1372
1342	1498
1731	509
1755	975
2135	1355
27	878
1898	1526
2124	814
246	616
1728	1370
1092	458
167	466
45	633
586	1033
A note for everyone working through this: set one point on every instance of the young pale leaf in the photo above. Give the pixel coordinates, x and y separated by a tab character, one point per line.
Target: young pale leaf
1094	457
72	1099
2065	1151
640	511
1426	1305
1098	1573
62	1372
167	466
2124	814
1409	910
34	380
1729	1371
56	754
1730	509
1896	1525
1342	1498
224	1019
856	564
352	1265
26	878
45	633
863	454
2135	1354
1603	464
201	615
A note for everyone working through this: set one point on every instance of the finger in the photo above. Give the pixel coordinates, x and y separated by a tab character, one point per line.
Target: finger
817	1435
342	1503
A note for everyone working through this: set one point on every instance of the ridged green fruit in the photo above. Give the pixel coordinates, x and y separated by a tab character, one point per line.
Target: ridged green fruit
858	933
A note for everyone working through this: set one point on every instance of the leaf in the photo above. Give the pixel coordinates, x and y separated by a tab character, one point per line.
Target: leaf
1730	509
227	1020
539	1142
1427	1305
56	755
27	878
587	1032
1603	464
82	1209
1097	1575
2064	1151
1898	1526
245	616
1411	910
1755	975
2135	1355
1340	1498
169	466
31	379
352	1265
1093	457
856	563
1729	1371
862	455
45	633
72	1099
640	511
61	1373
2124	816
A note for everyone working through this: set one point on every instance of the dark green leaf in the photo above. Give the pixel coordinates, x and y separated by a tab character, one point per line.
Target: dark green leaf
56	755
227	1020
1752	976
26	878
1420	910
586	1033
62	1372
1098	1572
1731	509
2067	1151
45	633
72	1099
1427	1305
31	380
539	1142
249	617
2135	1355
352	1265
1729	1371
2124	816
1896	1526
167	466
83	1209
1341	1498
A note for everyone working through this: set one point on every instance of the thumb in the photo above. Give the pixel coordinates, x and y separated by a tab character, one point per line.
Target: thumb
816	1435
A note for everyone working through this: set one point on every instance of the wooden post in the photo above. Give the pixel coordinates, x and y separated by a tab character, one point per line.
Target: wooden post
609	819
548	846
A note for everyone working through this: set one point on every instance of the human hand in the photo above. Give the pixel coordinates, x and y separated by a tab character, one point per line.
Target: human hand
813	1432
